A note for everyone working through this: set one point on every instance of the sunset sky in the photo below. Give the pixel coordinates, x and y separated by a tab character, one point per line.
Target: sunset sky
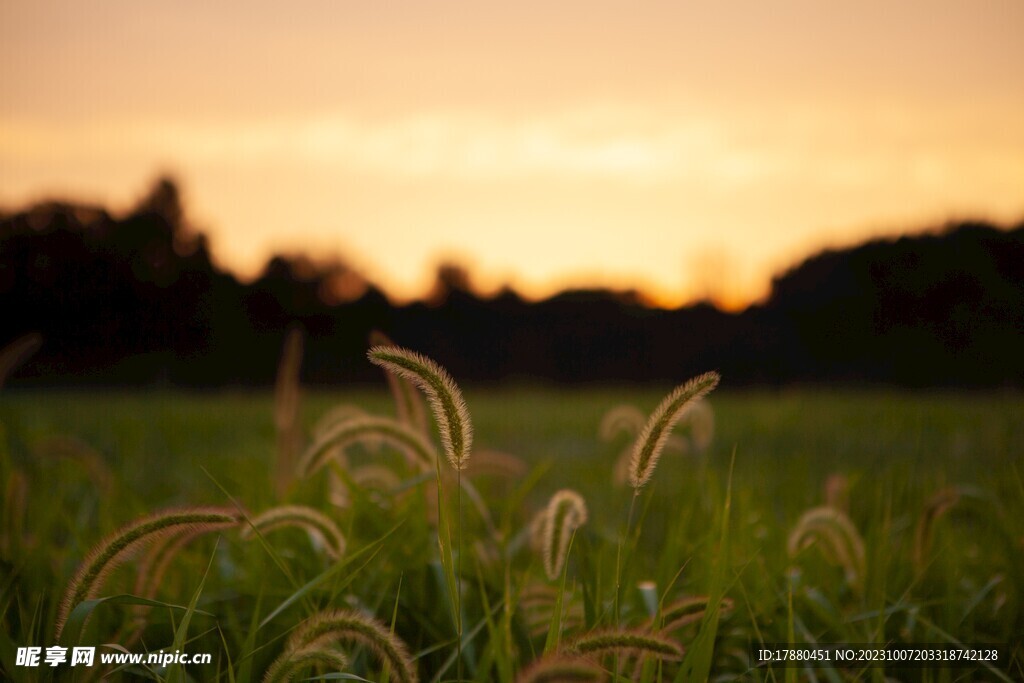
680	147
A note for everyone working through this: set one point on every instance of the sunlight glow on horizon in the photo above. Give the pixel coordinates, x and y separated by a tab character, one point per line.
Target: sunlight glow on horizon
704	153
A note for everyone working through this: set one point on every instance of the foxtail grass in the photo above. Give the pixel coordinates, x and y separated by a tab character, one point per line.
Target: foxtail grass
626	641
456	430
407	440
285	668
561	668
685	611
349	627
286	410
336	415
566	512
408	404
442	393
839	539
651	441
321	529
621	419
113	550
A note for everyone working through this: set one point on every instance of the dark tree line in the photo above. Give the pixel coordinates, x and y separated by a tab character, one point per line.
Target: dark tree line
137	300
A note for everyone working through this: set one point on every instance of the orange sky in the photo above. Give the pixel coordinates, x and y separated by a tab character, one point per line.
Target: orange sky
680	147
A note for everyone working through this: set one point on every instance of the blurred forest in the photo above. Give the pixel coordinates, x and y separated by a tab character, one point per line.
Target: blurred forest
137	300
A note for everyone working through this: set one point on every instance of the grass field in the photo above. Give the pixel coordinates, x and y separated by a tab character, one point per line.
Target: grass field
922	542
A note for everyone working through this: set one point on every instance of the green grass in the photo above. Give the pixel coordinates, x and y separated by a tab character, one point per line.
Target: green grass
771	456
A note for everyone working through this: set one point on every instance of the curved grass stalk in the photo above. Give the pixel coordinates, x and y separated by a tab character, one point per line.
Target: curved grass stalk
652	439
114	549
410	442
351	627
286	409
686	611
443	394
621	419
285	667
626	641
408	404
336	415
321	529
842	542
153	567
565	513
560	668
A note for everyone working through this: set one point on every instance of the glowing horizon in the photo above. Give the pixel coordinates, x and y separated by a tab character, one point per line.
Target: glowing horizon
683	152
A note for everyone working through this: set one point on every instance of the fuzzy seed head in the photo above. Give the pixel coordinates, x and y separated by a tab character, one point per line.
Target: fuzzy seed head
113	550
566	512
352	627
321	529
442	393
561	668
652	439
621	419
841	543
603	642
408	403
285	667
334	441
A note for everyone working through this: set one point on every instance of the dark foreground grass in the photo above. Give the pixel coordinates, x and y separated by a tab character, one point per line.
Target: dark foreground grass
932	484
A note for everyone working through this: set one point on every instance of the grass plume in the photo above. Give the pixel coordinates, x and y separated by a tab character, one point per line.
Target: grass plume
566	512
321	529
652	439
286	409
408	404
686	611
442	393
352	627
843	544
114	549
285	667
561	668
410	442
626	641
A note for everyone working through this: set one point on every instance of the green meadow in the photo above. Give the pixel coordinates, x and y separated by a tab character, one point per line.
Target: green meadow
917	536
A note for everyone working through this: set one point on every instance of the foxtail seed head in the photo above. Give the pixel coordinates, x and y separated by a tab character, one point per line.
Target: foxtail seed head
442	393
842	543
565	513
285	667
410	442
603	642
321	528
113	550
560	668
652	439
408	403
351	627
